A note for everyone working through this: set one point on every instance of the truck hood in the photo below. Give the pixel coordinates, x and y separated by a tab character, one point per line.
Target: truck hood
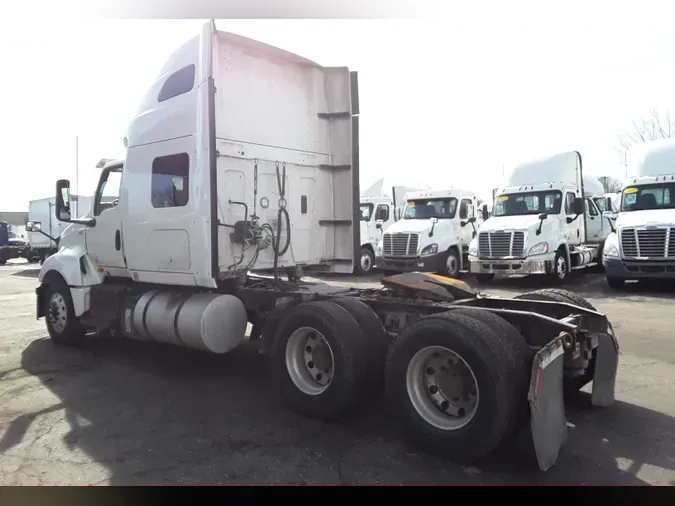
523	222
410	226
650	217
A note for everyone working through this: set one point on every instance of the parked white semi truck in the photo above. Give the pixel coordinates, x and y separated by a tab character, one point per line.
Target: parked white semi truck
643	246
43	227
376	214
539	224
243	156
433	234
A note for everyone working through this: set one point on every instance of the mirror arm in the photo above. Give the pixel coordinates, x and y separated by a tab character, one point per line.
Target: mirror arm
87	222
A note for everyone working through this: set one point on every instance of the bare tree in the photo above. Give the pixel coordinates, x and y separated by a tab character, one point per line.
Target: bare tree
610	184
658	125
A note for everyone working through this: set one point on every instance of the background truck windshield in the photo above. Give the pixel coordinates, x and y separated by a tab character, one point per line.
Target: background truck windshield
649	196
421	209
514	204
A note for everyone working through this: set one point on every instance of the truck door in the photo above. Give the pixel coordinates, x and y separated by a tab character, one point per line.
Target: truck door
383	214
594	222
466	211
104	239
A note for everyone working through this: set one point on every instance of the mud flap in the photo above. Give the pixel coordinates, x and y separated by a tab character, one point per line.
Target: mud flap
547	410
606	366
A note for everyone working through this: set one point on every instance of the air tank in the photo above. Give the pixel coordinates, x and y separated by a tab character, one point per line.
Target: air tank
204	321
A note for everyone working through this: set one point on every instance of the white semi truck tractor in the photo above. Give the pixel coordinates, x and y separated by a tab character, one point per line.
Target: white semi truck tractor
643	246
243	158
542	223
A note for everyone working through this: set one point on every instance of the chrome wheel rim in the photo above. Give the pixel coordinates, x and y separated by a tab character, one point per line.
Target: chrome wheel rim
57	312
366	262
309	361
442	388
451	264
561	267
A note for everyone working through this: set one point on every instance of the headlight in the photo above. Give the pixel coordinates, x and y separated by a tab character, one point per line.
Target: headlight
432	249
611	248
538	249
378	249
473	247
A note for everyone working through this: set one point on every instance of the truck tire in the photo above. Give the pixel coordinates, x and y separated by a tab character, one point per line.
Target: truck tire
616	283
560	268
451	264
516	345
63	326
464	415
376	342
365	263
320	360
485	279
571	384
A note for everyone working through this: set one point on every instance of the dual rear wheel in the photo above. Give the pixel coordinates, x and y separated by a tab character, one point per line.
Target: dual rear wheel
457	380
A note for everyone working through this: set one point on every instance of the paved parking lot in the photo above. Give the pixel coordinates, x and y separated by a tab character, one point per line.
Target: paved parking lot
121	412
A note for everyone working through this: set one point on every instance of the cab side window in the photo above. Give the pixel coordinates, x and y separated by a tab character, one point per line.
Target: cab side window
108	191
170	180
382	213
464	209
569	203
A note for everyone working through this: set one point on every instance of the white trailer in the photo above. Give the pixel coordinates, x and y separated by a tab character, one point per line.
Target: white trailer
44	229
177	228
643	246
539	223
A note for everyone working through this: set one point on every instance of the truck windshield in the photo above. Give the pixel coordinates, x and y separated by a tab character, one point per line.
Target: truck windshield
514	204
421	209
366	212
649	196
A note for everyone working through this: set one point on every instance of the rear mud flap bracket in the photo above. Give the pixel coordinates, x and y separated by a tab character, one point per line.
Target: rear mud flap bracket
547	409
606	367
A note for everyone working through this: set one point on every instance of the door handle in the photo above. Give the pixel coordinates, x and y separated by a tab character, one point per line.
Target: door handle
118	240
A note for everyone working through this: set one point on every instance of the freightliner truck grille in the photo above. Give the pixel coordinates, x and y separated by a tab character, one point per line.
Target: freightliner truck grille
501	244
657	242
400	245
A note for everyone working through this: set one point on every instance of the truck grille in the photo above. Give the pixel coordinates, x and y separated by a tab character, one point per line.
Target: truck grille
501	244
400	245
648	242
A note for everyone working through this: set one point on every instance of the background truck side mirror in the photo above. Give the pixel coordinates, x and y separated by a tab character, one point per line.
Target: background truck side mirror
608	204
63	200
379	223
485	212
579	205
33	226
609	214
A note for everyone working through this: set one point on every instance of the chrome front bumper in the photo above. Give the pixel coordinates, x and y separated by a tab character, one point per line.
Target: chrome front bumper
512	267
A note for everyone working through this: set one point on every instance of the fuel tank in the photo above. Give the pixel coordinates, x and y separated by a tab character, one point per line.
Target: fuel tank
205	321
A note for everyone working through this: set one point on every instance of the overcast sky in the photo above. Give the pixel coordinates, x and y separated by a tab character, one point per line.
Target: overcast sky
442	102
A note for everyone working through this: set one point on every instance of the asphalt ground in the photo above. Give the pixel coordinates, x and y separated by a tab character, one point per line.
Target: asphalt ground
123	412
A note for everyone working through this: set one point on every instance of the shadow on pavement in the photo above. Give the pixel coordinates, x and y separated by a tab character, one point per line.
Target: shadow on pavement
158	414
27	273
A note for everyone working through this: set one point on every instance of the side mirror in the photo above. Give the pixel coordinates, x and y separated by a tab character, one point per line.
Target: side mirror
579	206
608	204
609	214
543	216
434	220
379	223
33	226
485	212
63	200
471	220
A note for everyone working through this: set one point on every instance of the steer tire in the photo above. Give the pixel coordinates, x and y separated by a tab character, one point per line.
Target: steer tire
340	329
376	342
501	379
571	384
72	333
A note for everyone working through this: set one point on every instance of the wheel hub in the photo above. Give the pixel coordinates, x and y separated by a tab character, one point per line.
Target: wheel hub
309	361
57	312
442	388
365	262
